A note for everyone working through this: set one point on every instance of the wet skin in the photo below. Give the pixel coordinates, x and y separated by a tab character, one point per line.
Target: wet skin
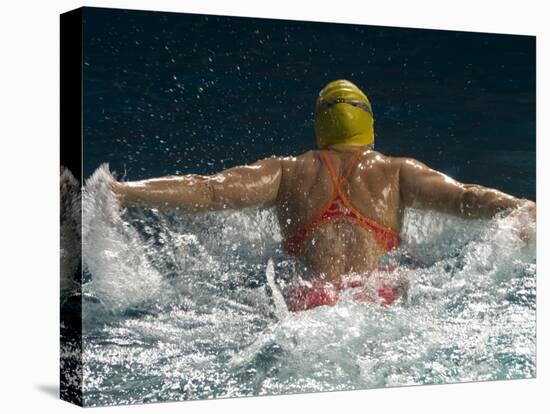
379	187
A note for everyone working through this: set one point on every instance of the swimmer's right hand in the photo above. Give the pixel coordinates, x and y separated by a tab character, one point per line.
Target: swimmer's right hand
119	191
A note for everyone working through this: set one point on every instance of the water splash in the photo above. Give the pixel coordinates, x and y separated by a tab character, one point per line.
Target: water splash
113	253
279	304
189	316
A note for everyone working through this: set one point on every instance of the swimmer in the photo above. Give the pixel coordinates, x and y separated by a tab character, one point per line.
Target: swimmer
340	206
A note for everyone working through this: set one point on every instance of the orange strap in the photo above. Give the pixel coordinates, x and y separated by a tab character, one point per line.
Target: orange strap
362	221
386	237
333	176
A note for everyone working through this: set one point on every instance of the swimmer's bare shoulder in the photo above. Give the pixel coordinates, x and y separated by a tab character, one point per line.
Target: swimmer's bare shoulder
304	158
294	166
385	165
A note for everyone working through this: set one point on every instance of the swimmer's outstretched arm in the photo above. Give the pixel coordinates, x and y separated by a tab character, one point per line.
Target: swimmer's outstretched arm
238	187
422	187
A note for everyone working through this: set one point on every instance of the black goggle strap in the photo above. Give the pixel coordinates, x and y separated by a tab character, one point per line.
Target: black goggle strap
358	104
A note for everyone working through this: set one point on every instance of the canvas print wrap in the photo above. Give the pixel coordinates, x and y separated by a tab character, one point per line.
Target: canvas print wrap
260	207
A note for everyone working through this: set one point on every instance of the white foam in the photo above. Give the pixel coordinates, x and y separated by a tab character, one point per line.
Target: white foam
113	253
470	312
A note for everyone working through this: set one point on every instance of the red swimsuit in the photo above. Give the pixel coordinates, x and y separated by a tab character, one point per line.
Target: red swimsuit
337	208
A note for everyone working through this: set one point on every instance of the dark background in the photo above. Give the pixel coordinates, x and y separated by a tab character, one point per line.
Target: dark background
171	93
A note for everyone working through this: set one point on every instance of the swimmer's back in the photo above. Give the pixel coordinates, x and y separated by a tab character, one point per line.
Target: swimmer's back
372	187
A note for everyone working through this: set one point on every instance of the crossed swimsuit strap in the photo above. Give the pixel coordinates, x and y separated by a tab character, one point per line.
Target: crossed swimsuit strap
385	236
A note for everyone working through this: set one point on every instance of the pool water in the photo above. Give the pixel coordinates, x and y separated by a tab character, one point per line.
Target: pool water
176	308
171	93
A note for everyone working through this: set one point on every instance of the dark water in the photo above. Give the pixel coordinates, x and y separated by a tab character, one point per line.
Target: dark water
170	93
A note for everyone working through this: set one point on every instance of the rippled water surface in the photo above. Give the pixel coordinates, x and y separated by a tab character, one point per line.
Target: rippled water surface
176	308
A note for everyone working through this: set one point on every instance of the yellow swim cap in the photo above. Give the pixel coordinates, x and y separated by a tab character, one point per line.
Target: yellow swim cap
343	115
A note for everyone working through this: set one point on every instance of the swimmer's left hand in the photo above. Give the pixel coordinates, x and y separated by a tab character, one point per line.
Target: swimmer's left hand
526	216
